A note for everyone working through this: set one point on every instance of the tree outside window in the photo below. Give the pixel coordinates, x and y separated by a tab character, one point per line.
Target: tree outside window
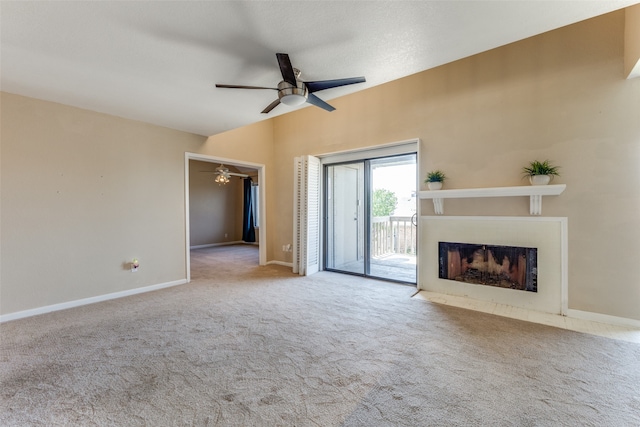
384	202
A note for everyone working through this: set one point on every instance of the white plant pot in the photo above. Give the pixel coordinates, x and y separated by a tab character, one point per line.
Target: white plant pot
434	185
539	179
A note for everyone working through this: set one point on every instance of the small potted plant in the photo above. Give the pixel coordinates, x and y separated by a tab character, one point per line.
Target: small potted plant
435	179
540	173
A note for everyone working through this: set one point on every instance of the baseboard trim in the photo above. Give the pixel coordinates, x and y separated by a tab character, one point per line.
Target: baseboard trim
86	301
211	245
603	318
285	264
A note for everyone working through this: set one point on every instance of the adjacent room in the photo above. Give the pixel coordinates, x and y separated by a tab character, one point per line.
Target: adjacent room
309	213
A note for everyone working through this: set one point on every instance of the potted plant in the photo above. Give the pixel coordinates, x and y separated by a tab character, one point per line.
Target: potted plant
540	173
435	179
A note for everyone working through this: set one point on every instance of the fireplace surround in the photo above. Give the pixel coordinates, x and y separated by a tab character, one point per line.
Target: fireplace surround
547	235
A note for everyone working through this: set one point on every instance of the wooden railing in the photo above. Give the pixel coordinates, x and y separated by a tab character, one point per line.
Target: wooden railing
392	235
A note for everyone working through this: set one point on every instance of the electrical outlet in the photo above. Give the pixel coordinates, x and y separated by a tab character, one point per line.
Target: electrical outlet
226	235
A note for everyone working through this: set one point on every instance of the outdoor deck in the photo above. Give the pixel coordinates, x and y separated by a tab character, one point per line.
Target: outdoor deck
393	250
395	266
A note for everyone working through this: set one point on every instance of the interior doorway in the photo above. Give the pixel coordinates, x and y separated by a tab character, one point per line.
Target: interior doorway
261	212
370	217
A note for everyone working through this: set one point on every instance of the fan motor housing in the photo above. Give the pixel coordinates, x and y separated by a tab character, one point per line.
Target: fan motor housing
292	95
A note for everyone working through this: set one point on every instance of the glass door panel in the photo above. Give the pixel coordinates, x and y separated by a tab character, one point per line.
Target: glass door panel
345	230
392	226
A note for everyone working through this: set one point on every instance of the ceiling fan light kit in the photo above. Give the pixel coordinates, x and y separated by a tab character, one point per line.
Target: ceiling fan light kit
292	95
294	92
293	100
221	179
222	175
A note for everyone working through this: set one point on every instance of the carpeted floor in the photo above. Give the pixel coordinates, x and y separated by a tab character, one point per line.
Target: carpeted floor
243	345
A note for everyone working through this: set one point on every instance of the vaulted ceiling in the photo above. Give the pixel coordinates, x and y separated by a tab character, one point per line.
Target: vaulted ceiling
158	62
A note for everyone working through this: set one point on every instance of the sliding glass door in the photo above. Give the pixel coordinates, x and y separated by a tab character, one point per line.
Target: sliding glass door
370	208
345	211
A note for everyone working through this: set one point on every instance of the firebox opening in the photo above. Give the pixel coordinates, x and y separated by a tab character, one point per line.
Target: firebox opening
510	267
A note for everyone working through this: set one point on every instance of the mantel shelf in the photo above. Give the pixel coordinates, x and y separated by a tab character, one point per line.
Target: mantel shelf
535	193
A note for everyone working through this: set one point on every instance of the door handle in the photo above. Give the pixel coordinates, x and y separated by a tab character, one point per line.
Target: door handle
414	219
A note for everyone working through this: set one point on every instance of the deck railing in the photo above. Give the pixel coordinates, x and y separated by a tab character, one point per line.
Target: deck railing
392	235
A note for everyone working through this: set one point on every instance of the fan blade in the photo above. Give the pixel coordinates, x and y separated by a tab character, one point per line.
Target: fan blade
245	87
328	84
314	100
271	106
286	69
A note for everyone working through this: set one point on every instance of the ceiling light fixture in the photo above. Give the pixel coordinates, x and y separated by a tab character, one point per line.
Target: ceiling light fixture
221	179
222	175
292	95
293	100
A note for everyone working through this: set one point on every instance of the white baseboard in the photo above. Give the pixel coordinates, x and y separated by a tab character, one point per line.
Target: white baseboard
286	264
211	245
603	318
86	301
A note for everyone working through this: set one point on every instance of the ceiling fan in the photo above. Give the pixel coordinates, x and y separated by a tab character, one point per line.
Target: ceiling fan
293	91
223	176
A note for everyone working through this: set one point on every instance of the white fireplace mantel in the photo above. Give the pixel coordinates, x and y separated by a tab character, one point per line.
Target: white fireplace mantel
535	193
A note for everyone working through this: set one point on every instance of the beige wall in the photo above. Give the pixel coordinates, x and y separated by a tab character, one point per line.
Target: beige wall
560	95
82	195
215	211
632	42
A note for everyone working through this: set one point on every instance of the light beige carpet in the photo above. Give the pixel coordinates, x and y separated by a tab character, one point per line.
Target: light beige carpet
244	345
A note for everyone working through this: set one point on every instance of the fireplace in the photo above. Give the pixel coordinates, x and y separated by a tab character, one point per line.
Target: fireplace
511	267
540	241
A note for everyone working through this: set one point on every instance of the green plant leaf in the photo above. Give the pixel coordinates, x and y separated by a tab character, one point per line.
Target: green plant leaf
435	176
537	167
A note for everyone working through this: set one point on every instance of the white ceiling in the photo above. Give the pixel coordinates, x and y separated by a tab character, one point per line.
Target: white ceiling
158	62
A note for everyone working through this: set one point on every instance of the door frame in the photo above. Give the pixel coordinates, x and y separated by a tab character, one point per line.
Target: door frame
262	220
